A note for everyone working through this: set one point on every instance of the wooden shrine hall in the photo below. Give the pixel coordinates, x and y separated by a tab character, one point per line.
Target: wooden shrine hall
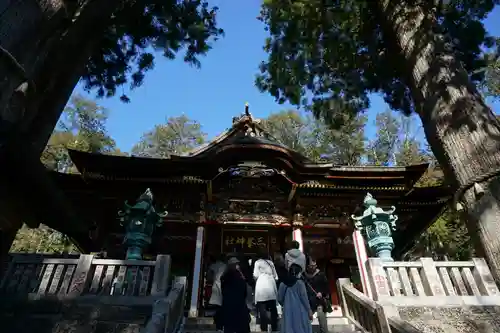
243	192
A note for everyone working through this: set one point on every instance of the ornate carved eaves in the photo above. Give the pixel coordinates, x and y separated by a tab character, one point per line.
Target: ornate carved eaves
322	214
185	209
310	186
164	180
248	211
273	219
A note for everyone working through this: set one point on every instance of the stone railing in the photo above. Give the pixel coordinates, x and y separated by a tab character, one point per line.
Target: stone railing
448	296
366	314
168	313
113	281
433	283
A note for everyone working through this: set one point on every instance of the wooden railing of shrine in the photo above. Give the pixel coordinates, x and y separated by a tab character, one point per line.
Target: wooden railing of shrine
86	277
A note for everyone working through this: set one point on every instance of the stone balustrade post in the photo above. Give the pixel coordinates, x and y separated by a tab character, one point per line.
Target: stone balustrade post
161	275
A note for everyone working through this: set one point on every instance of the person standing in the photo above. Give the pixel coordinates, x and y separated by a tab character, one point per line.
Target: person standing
318	288
295	256
234	311
266	292
279	264
292	295
215	272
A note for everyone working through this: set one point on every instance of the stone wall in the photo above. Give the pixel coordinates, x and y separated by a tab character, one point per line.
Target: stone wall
466	319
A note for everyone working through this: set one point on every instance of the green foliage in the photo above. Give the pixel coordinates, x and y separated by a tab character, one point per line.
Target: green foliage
82	126
41	240
137	29
178	136
447	238
315	140
293	130
491	84
396	141
328	56
382	150
345	145
87	122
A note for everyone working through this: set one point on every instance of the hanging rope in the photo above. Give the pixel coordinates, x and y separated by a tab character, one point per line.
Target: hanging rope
478	179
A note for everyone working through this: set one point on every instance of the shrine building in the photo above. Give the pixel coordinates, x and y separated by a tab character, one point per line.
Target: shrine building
243	192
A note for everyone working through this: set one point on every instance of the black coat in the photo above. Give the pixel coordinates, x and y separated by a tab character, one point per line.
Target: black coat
235	313
317	283
282	273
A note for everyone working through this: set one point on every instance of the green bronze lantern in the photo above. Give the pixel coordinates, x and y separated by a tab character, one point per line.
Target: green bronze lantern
140	221
377	225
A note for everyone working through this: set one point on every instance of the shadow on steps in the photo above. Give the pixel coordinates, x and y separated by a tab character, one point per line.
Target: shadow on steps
205	325
60	317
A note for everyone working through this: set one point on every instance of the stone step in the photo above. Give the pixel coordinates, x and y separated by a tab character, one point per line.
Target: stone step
96	319
209	321
205	325
331	329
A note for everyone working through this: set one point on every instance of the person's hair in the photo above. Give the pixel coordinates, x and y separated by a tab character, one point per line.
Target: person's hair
294	270
212	258
278	259
311	262
262	254
295	245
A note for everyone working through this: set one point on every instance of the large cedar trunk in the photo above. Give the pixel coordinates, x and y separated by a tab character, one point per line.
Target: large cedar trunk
28	29
59	75
462	131
54	66
57	68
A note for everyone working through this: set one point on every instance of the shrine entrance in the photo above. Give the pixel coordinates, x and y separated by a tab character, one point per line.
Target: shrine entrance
244	241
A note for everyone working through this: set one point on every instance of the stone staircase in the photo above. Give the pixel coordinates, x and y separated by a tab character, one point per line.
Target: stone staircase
205	325
50	317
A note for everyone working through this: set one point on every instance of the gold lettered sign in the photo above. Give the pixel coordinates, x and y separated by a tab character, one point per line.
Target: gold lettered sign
244	241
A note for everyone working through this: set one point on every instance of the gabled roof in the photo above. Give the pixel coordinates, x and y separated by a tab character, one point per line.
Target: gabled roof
245	141
245	130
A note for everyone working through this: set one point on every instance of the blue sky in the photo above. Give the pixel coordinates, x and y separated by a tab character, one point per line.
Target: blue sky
218	90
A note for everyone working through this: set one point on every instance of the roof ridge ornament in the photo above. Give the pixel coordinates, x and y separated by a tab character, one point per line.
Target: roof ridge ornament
248	123
247	112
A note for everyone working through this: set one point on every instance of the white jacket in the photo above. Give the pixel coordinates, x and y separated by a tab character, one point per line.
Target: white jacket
265	275
295	256
218	268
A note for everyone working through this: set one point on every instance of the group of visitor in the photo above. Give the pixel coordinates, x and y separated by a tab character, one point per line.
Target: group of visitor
297	286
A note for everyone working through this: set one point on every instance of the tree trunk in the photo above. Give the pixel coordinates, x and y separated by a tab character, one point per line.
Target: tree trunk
78	44
57	70
461	130
7	237
28	28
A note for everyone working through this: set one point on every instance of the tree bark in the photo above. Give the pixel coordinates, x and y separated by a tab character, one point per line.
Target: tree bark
78	44
7	237
461	130
28	28
53	67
